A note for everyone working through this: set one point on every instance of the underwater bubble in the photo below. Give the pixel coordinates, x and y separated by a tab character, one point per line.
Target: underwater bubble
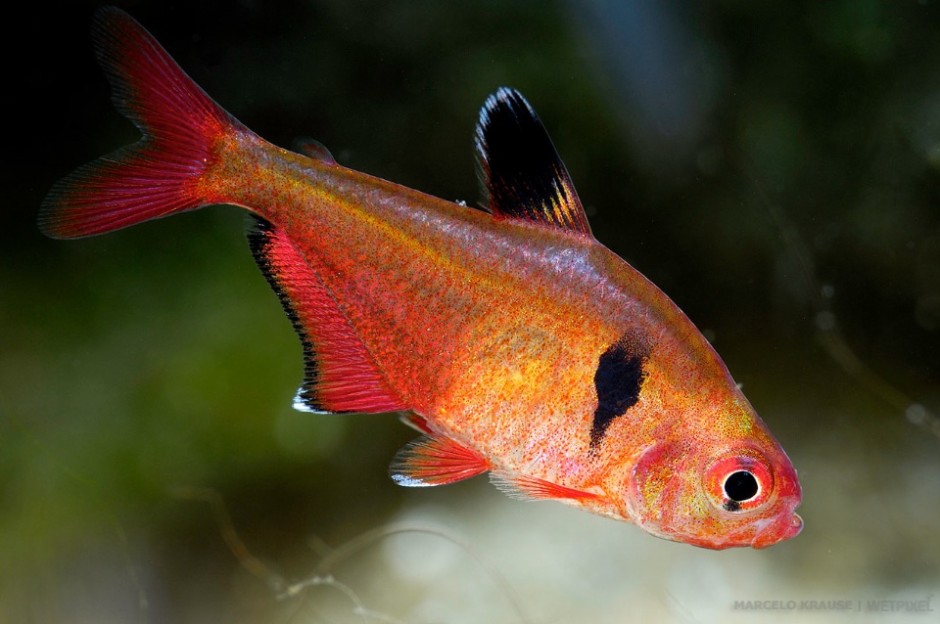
927	312
825	321
933	156
709	160
422	556
916	413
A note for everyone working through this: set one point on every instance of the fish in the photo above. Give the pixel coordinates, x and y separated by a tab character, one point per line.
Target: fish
507	335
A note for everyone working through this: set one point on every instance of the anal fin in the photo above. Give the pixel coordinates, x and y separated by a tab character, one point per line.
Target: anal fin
340	374
435	460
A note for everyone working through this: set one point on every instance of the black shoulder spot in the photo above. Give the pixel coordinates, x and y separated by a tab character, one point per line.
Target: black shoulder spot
619	378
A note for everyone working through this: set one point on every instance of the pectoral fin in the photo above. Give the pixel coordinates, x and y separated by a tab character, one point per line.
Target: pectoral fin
522	487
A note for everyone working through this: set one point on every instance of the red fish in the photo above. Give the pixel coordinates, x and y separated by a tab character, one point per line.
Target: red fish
517	344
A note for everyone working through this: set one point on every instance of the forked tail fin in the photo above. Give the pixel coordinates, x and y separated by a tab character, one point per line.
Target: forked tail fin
161	173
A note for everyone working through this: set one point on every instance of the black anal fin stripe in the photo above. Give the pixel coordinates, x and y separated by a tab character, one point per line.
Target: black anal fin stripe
340	375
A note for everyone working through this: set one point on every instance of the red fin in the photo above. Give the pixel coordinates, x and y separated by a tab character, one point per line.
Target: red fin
340	374
156	176
523	487
427	461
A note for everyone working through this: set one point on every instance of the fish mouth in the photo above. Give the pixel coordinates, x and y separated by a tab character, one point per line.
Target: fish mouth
786	527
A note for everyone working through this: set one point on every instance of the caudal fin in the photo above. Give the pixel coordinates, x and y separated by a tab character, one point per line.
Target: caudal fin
160	174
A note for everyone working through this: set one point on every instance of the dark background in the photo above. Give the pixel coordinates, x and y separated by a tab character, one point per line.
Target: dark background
775	169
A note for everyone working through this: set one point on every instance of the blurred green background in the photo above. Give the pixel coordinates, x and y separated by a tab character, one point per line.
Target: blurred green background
773	167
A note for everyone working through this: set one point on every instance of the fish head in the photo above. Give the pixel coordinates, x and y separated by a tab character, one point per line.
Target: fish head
741	492
689	459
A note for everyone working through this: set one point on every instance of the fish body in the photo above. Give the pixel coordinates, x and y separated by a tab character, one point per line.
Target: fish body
516	342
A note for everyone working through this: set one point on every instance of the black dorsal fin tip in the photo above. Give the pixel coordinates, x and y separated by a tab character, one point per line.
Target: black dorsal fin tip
522	175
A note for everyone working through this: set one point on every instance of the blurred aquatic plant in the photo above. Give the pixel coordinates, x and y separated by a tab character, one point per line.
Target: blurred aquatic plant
829	332
323	574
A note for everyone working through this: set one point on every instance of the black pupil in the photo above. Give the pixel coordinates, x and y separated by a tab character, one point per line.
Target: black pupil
740	486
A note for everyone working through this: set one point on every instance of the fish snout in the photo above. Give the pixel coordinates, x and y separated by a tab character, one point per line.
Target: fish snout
787	526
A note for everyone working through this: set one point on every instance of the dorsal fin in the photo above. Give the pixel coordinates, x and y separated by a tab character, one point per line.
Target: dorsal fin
522	174
339	373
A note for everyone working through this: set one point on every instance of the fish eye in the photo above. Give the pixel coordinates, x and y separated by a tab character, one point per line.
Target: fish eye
741	486
739	481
